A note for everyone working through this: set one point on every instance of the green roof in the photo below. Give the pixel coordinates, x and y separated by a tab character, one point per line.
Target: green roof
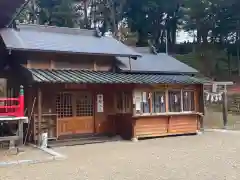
99	77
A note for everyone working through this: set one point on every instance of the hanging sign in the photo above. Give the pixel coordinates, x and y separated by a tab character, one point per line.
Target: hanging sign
99	103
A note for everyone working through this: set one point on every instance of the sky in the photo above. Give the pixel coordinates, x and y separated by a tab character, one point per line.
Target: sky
183	36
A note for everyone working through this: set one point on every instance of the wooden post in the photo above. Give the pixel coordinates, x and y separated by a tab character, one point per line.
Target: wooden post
130	64
21	102
39	115
20	132
201	106
224	107
166	100
134	137
21	114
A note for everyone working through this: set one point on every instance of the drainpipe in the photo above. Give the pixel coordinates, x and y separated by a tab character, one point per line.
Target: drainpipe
130	65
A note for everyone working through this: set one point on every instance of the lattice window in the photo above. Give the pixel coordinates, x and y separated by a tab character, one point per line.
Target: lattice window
64	107
84	104
123	102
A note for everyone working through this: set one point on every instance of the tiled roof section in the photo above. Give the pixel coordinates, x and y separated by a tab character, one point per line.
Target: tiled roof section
155	63
84	76
66	40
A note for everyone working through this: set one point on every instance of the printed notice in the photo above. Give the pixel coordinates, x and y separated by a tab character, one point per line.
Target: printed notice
138	100
99	103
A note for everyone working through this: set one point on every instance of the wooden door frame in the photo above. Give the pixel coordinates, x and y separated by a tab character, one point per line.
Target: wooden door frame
73	103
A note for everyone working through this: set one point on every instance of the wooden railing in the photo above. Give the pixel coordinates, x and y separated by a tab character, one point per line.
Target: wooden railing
13	106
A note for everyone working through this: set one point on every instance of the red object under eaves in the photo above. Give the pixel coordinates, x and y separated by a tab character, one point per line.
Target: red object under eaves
12	107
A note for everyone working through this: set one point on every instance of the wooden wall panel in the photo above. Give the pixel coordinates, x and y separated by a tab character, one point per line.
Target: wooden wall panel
151	126
103	122
165	125
123	123
183	124
39	64
75	125
39	60
75	65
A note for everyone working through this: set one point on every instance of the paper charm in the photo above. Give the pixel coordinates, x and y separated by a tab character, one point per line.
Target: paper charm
208	97
220	97
175	98
212	98
162	99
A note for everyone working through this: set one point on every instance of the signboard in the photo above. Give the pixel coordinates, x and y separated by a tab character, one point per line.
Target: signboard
99	103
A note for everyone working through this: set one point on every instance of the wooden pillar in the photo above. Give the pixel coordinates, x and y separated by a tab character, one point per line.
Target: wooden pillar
21	114
166	100
21	102
39	114
224	107
150	95
167	108
134	136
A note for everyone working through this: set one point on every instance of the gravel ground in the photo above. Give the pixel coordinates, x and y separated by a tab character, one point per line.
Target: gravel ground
213	155
27	153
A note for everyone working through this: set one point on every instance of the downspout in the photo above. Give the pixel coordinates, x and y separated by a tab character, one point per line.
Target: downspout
130	65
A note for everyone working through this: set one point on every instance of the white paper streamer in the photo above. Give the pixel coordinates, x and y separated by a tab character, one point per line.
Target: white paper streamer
175	99
162	99
214	97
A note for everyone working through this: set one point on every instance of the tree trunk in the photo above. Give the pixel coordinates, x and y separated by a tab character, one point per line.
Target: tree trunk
198	36
141	39
86	24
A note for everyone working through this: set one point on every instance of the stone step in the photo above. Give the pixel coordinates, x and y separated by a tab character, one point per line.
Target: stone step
82	141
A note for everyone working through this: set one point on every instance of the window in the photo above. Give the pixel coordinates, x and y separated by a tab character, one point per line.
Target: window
150	102
69	104
84	104
64	106
188	101
158	102
181	100
124	102
145	102
174	98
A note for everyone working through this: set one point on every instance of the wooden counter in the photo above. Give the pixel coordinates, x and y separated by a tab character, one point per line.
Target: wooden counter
165	124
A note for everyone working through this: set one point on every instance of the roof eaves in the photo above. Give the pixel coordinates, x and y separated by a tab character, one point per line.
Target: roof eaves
72	52
84	76
159	72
